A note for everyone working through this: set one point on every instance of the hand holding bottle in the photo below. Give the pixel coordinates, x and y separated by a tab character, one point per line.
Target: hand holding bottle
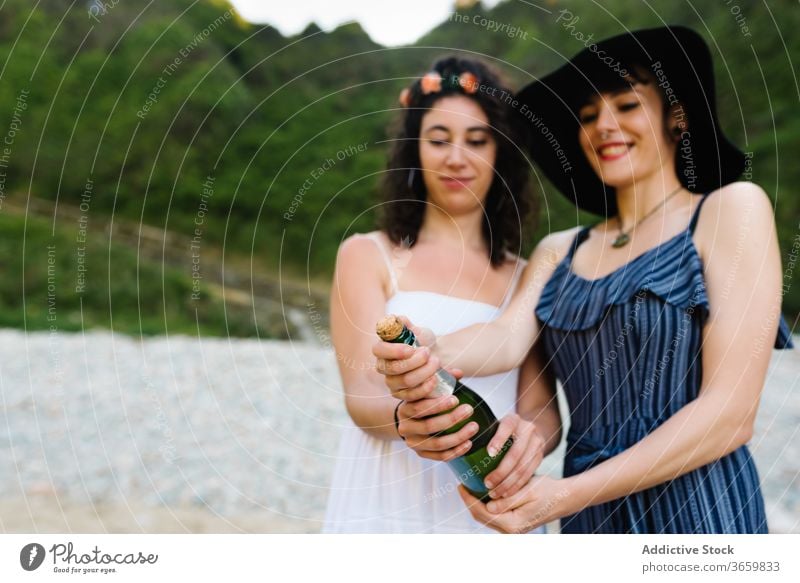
420	420
542	500
521	460
476	463
410	371
425	414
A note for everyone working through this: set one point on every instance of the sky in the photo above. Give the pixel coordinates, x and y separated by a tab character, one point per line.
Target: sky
389	23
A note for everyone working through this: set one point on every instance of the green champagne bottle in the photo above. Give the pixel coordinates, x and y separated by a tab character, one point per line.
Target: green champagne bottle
476	464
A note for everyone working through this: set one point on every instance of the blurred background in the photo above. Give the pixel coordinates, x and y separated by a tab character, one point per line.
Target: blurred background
175	179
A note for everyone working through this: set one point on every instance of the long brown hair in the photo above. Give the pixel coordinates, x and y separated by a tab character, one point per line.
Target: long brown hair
508	203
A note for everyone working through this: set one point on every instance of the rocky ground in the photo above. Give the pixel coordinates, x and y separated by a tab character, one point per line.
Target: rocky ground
106	433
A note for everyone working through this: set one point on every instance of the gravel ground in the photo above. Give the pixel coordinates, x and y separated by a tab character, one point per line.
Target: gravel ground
106	433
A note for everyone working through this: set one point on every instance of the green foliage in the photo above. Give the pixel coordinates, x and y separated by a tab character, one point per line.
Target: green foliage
54	281
149	101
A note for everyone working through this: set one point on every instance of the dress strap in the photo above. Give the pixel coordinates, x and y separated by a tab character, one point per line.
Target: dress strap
377	239
580	237
696	213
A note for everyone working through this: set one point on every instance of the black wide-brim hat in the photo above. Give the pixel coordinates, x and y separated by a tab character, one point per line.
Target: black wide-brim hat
681	63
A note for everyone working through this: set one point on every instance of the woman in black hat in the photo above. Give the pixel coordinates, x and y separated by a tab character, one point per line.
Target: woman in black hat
658	320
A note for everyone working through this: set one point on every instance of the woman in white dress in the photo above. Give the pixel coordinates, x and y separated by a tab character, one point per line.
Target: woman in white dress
446	256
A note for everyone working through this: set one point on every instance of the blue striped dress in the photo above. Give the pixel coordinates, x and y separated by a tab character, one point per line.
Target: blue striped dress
626	348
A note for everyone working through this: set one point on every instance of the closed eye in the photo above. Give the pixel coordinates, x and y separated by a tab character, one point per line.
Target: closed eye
629	106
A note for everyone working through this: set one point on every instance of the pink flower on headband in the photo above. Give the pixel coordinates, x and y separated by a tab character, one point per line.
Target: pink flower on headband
405	97
468	82
431	83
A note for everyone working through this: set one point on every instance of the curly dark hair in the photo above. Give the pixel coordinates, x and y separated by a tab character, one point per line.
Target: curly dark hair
508	203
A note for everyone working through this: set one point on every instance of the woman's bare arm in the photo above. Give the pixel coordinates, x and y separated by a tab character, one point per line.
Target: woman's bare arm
537	397
480	349
358	300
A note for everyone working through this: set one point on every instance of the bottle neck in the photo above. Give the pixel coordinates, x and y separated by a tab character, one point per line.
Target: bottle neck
406	337
445	382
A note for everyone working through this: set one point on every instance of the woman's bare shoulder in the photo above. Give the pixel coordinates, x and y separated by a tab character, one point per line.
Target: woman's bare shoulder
736	209
734	200
361	262
554	246
361	252
362	245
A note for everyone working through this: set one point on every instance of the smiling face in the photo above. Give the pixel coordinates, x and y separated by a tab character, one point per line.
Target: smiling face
622	134
457	153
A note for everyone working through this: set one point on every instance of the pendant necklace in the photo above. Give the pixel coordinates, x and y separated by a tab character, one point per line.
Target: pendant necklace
624	236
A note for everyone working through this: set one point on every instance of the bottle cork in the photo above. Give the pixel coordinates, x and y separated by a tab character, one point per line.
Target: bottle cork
389	327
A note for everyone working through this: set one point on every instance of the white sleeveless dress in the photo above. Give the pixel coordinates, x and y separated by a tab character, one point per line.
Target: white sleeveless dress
382	486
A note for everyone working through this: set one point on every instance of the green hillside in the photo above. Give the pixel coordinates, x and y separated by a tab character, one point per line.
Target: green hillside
182	116
71	279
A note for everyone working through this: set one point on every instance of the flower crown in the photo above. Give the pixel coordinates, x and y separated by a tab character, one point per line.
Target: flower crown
432	82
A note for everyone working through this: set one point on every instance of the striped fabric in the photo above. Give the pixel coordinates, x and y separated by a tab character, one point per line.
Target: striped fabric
626	348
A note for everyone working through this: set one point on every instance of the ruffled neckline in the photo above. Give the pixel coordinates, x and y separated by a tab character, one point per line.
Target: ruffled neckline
671	271
674	273
629	265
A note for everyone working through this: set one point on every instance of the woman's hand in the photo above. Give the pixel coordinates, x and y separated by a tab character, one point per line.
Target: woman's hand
409	371
520	461
418	420
541	501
